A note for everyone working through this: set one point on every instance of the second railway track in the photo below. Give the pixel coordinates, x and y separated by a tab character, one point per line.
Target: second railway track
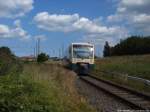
135	99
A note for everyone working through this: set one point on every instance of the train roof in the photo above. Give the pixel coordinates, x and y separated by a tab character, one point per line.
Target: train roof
81	43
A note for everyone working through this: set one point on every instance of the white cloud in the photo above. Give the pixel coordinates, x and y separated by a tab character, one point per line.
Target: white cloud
115	18
135	14
89	26
141	23
112	38
126	9
17	23
15	8
134	6
93	29
141	18
56	22
68	23
17	31
3	29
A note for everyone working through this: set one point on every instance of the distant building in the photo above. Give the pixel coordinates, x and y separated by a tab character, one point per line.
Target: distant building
28	58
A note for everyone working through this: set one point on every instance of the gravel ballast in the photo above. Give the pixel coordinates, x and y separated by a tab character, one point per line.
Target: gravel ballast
100	100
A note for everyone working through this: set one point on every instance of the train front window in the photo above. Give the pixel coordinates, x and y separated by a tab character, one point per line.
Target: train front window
82	51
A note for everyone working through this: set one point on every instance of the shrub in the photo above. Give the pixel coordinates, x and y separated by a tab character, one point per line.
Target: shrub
8	61
42	57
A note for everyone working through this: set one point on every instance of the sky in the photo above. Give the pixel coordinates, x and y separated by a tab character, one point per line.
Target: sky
58	23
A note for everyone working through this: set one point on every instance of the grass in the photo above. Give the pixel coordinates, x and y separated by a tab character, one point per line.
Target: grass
133	65
41	88
61	86
138	66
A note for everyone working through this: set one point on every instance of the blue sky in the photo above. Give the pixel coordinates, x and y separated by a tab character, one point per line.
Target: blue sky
58	23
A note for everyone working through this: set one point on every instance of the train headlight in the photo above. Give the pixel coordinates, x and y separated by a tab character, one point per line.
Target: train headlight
91	49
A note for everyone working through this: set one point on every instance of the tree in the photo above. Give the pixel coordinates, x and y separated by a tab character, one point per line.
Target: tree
6	50
7	61
134	45
42	57
6	54
107	50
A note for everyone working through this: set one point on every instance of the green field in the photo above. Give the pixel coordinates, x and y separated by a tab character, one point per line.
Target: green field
40	88
138	66
133	65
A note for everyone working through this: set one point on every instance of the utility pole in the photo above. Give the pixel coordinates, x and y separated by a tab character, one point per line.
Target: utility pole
36	53
62	50
59	53
53	53
34	48
38	45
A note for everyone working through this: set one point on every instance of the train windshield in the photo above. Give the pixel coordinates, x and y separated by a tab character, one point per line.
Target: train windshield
83	51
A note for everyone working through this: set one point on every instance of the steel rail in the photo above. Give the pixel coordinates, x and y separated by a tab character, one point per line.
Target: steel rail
132	98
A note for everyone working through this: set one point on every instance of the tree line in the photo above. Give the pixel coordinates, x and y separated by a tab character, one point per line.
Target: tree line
134	45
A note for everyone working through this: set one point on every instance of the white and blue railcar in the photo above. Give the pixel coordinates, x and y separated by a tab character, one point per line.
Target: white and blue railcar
81	57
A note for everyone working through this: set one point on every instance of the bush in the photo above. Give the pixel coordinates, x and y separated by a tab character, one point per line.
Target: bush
42	57
8	62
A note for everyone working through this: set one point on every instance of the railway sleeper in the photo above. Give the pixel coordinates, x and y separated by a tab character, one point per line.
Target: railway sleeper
134	100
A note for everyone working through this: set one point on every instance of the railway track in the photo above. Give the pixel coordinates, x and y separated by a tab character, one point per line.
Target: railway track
132	98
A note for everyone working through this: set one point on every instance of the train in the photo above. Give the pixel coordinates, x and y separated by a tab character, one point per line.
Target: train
80	57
